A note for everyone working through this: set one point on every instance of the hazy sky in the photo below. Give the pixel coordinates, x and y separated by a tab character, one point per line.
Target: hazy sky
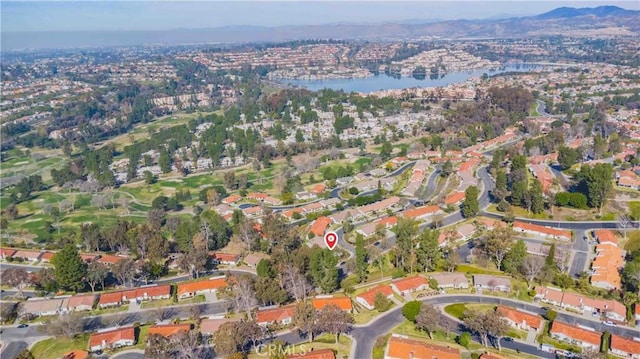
162	15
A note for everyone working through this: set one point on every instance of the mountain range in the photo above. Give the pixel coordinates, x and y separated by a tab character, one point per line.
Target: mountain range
602	20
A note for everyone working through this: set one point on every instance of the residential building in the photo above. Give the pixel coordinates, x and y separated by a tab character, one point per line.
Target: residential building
225	258
404	286
402	347
520	319
584	338
450	280
367	299
27	256
78	303
559	234
41	306
209	326
492	282
76	354
605	236
320	225
112	339
422	213
118	298
167	330
343	303
624	347
191	289
454	199
279	315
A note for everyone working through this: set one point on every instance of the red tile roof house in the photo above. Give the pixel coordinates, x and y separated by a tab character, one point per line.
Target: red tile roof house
492	282
46	257
605	236
115	299
624	347
343	303
549	295
110	259
404	286
454	199
367	299
320	225
112	339
628	179
191	289
402	347
579	336
450	280
7	252
535	229
168	330
519	319
637	313
231	199
279	315
30	256
225	258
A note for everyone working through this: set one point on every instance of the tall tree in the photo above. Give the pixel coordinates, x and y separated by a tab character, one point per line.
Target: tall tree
96	273
471	205
498	326
64	325
123	270
305	319
531	267
226	339
498	243
15	277
537	197
361	258
69	268
323	270
243	294
428	251
334	320
405	230
514	257
428	319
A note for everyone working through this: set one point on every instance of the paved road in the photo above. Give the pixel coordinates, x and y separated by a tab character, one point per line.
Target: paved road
541	108
431	183
93	323
366	335
27	267
10	293
12	349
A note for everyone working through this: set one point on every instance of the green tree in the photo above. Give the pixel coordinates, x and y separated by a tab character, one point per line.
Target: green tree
164	161
323	270
381	303
25	354
265	269
514	257
69	268
447	169
599	184
385	151
428	252
361	258
411	310
519	162
464	339
471	206
518	193
550	261
537	197
567	157
405	230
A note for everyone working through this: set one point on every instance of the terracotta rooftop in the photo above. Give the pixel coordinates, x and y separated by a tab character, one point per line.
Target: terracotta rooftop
320	225
454	198
403	348
410	283
275	314
421	211
370	295
519	317
169	329
192	287
542	229
112	336
76	354
625	344
343	303
605	235
576	333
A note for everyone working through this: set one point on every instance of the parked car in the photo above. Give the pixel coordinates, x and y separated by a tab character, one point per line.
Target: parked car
23	326
609	323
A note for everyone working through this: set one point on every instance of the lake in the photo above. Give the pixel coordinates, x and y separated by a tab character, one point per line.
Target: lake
386	82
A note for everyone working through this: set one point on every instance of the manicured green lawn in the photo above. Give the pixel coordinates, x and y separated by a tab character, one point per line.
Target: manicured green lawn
323	341
473	269
457	310
57	347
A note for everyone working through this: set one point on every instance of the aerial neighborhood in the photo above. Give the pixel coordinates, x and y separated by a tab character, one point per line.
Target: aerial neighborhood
208	200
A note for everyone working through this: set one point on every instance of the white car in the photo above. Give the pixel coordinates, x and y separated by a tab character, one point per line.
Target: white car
609	323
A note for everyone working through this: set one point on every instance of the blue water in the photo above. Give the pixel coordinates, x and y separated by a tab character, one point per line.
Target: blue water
385	82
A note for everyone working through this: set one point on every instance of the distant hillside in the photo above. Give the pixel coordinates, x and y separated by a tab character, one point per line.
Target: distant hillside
611	21
600	11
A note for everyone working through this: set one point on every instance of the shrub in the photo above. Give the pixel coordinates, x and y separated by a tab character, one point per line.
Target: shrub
354	191
382	303
464	339
411	309
551	315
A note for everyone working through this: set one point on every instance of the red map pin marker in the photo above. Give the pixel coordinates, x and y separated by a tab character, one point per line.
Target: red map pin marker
331	239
